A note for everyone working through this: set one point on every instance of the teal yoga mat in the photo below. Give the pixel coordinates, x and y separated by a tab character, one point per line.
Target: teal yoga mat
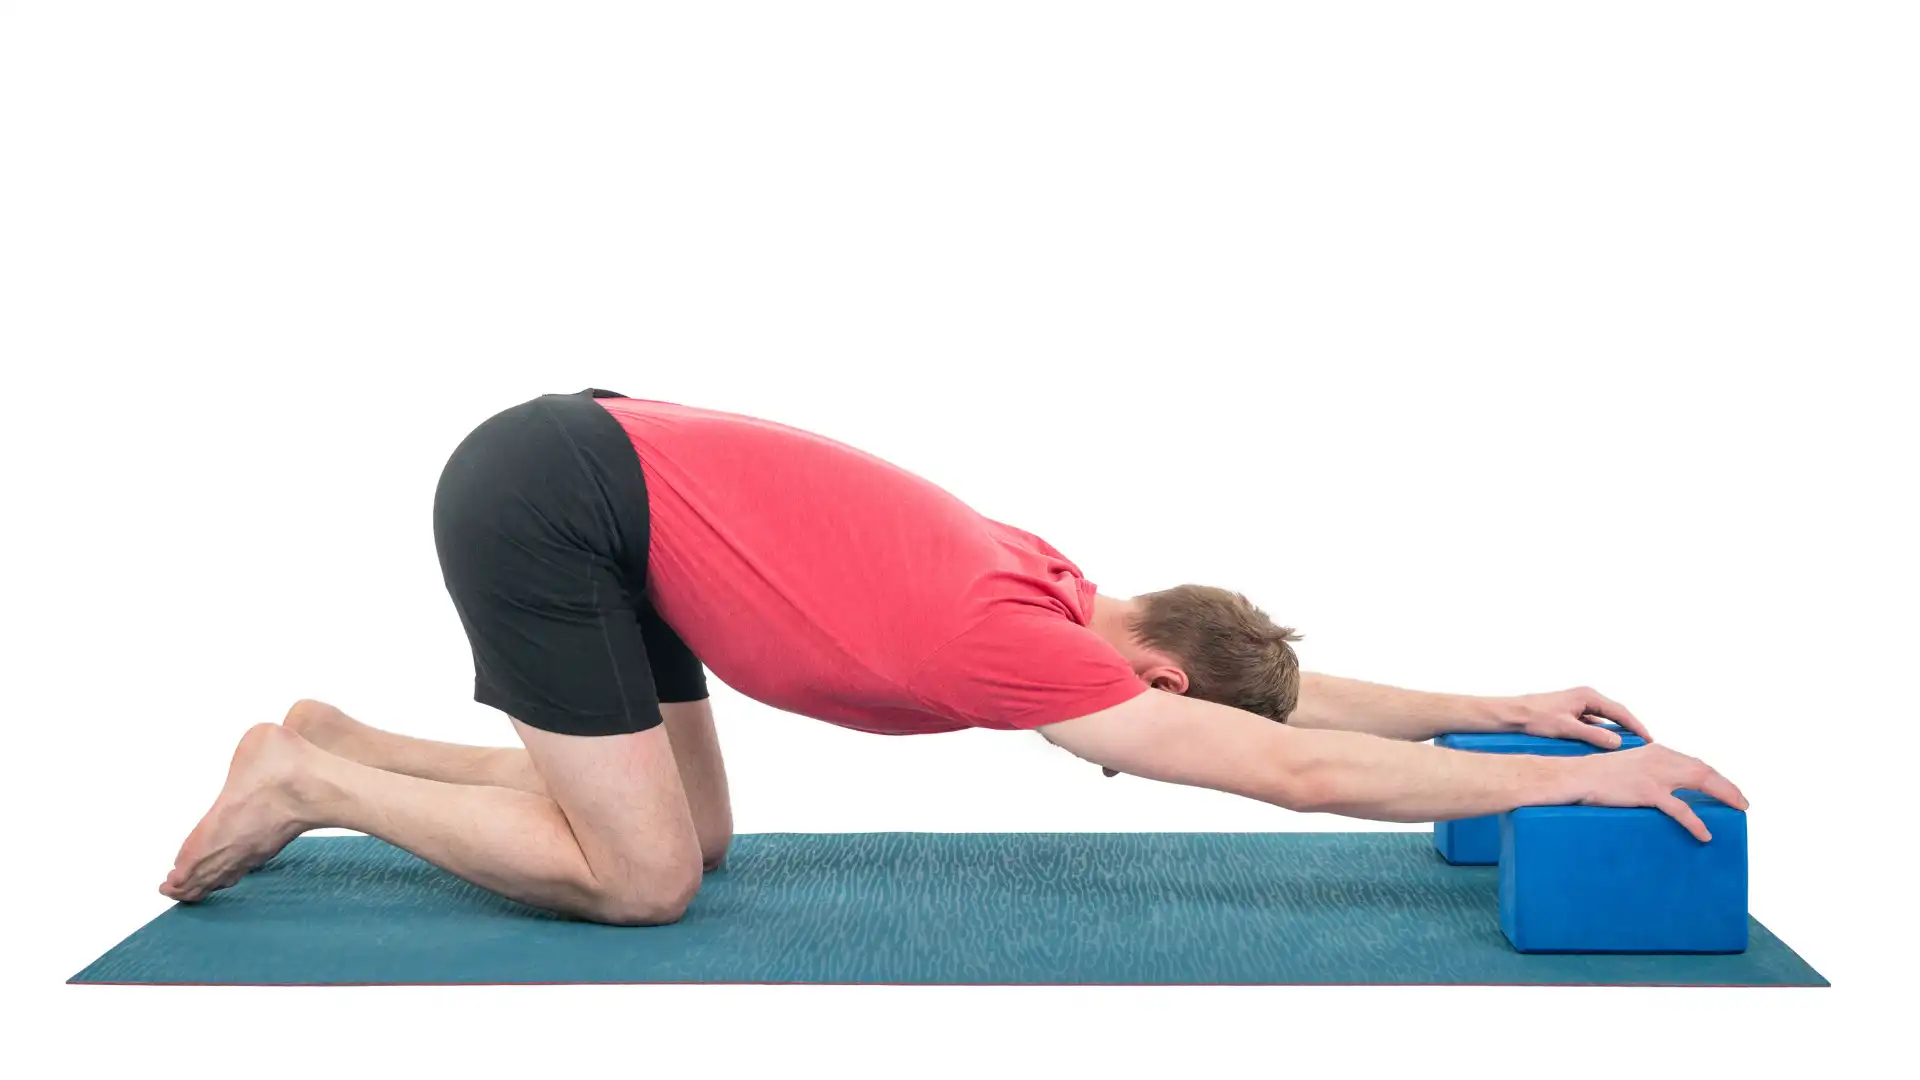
1125	908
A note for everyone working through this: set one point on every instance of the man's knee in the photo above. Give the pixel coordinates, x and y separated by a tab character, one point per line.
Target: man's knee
713	849
655	903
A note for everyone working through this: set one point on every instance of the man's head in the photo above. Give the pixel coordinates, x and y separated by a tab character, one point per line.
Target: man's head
1207	643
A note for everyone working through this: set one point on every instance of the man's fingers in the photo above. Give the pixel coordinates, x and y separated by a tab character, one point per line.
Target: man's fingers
1588	732
1722	788
1677	809
1601	705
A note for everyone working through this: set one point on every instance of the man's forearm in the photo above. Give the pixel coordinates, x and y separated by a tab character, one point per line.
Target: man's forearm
1365	776
1332	703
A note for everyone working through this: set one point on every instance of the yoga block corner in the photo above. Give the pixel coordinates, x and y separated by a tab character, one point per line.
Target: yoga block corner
1476	841
1599	879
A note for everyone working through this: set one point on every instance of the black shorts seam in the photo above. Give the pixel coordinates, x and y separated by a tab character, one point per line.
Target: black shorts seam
606	641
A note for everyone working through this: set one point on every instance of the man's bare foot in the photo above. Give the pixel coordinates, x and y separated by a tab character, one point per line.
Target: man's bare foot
257	814
320	723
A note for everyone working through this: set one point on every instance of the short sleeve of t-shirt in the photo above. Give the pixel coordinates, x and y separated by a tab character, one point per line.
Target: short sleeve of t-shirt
1018	670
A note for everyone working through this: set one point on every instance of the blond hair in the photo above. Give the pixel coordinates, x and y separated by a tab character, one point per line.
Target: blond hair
1232	652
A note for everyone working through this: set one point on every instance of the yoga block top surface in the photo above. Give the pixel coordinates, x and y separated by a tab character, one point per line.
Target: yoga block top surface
1481	742
1709	808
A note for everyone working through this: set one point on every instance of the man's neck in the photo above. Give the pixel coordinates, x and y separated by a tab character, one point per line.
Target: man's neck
1113	619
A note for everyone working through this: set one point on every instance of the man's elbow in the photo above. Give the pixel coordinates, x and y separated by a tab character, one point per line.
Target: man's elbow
1305	787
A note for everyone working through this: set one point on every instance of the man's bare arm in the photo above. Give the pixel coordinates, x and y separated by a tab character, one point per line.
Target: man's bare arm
1182	740
1331	703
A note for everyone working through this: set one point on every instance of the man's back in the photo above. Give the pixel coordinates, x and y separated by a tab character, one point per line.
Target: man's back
820	579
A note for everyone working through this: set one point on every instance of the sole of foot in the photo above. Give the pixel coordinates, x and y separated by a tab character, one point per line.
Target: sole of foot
257	814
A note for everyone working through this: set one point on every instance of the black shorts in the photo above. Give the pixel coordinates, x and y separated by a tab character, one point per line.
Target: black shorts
541	523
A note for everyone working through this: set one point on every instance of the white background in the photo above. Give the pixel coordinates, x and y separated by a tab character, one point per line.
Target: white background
1498	347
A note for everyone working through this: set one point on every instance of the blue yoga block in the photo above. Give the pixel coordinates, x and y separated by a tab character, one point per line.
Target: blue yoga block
1476	841
1601	879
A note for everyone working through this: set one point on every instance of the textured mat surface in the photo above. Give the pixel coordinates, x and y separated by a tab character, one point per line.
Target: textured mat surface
1137	908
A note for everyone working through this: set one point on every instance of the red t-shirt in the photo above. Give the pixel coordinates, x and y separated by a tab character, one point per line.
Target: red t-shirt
824	581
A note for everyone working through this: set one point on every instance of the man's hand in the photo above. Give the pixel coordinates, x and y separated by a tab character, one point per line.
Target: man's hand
1649	776
1569	714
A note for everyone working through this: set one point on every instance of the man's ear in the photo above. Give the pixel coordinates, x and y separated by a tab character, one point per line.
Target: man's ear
1166	677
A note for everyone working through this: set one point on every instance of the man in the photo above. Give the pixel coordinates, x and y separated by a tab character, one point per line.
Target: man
599	549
